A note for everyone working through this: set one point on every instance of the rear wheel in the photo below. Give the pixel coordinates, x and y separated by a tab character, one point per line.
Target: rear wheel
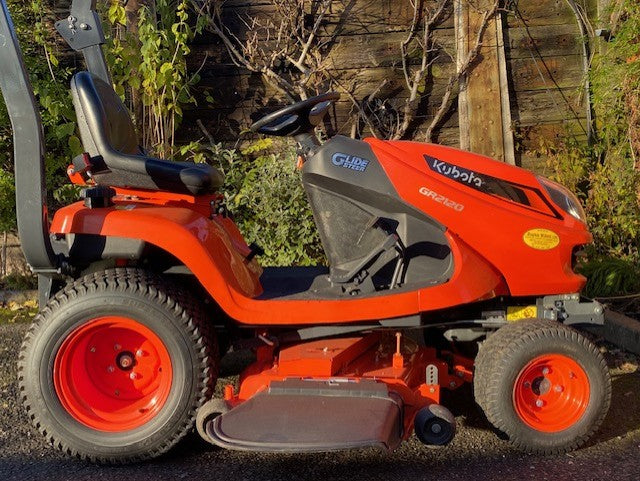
116	365
543	384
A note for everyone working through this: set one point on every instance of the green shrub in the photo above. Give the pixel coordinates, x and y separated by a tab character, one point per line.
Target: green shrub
605	174
263	190
611	277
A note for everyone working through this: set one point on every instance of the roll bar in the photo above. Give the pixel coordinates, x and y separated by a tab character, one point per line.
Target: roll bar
83	32
28	149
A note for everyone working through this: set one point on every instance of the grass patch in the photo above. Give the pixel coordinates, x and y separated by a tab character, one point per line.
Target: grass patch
18	313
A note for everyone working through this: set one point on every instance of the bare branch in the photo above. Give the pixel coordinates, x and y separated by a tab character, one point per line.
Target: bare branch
312	35
358	106
416	79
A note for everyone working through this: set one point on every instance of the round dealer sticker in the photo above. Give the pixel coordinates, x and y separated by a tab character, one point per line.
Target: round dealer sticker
541	239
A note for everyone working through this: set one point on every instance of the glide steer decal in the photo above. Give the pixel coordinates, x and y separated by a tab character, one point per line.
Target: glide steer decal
349	162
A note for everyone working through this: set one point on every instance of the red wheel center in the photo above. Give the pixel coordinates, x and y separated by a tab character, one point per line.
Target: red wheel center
112	374
551	393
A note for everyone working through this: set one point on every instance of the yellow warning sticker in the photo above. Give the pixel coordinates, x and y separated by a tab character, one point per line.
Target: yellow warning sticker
517	313
541	239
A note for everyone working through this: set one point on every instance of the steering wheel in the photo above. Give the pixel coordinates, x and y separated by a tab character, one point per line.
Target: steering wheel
297	118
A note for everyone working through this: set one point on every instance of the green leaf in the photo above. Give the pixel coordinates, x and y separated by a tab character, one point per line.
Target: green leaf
166	67
75	145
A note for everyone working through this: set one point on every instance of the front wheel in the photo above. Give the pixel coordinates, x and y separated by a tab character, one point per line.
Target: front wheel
543	384
116	365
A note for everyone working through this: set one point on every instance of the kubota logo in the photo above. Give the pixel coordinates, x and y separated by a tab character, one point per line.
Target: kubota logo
441	199
453	172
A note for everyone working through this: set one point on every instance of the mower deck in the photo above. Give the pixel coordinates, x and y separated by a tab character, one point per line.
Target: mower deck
306	415
333	394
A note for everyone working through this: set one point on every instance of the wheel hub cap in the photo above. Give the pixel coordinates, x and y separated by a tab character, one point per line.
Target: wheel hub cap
112	374
551	393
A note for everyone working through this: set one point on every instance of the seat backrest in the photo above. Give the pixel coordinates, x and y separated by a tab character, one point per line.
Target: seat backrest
102	117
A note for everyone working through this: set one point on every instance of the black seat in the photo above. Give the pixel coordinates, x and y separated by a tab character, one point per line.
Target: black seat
109	137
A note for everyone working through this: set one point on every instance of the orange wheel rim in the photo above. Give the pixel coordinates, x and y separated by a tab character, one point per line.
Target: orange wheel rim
551	393
112	374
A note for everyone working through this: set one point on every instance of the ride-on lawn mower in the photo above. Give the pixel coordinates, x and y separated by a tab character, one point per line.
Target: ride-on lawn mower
432	252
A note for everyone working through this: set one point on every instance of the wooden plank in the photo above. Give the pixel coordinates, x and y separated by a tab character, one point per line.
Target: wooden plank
565	71
226	123
347	17
546	40
533	137
371	16
461	28
542	106
505	102
484	91
362	82
254	107
359	51
548	12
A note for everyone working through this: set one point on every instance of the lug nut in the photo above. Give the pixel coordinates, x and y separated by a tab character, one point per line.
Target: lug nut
117	347
139	353
539	403
558	388
110	369
92	349
545	371
133	376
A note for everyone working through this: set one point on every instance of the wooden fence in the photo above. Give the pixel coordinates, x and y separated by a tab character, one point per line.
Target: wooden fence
543	67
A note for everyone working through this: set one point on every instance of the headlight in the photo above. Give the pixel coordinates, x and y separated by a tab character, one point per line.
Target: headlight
563	198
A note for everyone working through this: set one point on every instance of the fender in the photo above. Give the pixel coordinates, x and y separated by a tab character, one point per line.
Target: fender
181	231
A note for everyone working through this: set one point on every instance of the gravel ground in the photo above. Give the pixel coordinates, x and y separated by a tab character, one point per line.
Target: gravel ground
475	454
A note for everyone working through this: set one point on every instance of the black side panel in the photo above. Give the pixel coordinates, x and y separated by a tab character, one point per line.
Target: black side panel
28	148
356	207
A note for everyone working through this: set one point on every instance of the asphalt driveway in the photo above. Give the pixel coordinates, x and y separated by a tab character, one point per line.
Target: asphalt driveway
476	453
